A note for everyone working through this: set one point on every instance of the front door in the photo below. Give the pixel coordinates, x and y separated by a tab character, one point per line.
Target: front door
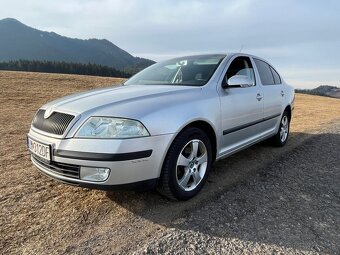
241	108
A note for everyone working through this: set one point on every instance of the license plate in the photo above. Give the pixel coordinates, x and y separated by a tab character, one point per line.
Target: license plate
39	149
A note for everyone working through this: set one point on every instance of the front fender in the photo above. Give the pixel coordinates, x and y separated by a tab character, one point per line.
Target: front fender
174	117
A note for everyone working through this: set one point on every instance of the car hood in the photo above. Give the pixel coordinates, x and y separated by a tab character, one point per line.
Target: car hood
115	99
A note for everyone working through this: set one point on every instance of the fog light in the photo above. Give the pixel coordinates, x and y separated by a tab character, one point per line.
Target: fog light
95	174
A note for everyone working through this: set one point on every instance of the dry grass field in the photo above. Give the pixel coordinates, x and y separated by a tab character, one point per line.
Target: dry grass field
41	216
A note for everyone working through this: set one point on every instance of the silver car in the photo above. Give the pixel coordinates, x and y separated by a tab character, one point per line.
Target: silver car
165	126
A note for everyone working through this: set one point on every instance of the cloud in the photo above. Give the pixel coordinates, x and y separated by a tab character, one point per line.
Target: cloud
295	36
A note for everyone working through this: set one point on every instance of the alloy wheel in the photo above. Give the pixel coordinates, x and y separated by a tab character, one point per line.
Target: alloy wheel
284	128
191	165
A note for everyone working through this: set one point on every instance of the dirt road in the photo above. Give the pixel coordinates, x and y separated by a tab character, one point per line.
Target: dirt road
263	199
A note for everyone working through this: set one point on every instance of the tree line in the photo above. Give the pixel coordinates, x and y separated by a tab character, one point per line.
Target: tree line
323	90
62	67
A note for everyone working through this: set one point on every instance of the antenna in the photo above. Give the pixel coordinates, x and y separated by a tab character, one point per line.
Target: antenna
241	48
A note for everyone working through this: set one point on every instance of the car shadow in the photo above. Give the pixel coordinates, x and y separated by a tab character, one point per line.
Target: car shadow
254	199
225	174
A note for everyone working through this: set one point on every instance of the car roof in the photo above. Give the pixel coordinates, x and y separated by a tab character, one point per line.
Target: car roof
222	55
225	54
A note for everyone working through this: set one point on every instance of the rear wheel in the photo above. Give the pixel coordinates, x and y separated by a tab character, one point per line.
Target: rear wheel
280	139
186	165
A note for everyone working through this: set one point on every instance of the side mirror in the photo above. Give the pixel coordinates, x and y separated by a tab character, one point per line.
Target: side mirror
242	81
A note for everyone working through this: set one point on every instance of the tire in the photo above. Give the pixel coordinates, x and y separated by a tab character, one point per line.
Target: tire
281	137
185	168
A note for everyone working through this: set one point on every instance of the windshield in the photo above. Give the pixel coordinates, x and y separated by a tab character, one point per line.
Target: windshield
189	71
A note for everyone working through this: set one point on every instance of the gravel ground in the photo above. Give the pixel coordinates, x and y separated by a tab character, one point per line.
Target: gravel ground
290	206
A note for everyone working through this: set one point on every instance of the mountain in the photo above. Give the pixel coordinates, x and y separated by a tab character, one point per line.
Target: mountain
323	90
18	41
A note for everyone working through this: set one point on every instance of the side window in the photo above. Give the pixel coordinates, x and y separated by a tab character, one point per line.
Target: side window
276	76
241	66
264	72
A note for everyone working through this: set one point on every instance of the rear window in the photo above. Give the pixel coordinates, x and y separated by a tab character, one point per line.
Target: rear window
264	72
276	76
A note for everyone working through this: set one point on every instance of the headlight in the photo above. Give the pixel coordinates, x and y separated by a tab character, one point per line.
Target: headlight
106	127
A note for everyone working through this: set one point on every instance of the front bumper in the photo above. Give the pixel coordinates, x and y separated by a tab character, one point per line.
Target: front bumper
132	162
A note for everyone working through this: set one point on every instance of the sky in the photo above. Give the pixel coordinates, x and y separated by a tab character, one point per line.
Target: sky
301	39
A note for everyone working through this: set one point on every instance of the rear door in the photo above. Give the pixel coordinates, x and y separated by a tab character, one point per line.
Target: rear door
273	93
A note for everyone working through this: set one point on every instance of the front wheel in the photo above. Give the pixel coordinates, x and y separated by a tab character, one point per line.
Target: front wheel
281	137
186	165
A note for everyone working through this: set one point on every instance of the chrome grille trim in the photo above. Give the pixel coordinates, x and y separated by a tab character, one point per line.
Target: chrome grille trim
56	124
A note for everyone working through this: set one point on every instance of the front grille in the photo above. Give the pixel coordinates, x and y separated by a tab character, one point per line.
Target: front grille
67	170
57	123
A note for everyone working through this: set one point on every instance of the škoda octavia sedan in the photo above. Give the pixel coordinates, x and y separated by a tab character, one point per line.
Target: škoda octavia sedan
165	126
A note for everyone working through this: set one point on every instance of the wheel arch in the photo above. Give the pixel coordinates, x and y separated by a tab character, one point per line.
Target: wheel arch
289	110
208	129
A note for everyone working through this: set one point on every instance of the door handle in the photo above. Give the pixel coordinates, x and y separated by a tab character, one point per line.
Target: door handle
282	93
259	97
